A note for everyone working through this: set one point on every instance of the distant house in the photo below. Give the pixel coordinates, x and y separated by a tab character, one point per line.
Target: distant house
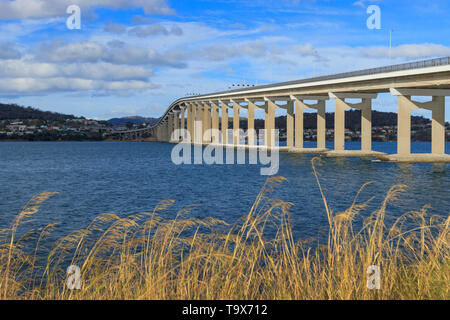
120	128
16	127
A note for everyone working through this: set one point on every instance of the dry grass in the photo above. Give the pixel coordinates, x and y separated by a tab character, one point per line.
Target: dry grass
147	257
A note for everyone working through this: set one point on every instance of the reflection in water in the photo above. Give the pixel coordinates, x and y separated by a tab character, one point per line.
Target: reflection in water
439	169
405	172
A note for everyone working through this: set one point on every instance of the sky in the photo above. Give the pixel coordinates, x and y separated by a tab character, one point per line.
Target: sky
135	57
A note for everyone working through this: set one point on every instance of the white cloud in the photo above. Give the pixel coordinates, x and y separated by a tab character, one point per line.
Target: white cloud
360	3
305	50
23	9
220	52
154	30
57	51
144	31
9	50
97	71
116	28
30	86
363	3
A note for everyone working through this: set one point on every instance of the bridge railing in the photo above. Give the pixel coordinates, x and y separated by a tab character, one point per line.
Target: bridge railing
400	67
393	68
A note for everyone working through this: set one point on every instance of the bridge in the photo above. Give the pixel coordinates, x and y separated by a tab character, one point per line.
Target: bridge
429	78
134	134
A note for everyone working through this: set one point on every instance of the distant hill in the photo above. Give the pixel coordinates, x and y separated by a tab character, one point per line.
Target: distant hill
134	120
14	111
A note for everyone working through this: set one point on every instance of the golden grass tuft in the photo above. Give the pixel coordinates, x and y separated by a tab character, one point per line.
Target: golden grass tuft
144	256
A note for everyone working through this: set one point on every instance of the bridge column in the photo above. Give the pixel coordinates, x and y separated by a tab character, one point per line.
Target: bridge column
198	127
224	122
168	130
290	124
299	124
176	126
206	123
366	118
164	131
269	123
192	119
170	125
406	105
438	126
321	125
339	124
215	122
366	126
189	120
183	123
236	121
251	123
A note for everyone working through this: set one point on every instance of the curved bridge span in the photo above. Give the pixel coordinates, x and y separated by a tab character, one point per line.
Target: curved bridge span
430	78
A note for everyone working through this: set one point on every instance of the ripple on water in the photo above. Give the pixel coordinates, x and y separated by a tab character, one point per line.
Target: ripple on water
125	178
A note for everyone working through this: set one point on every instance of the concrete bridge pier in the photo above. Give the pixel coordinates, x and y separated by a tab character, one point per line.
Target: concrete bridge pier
224	106
251	138
290	124
183	123
158	133
198	125
236	122
176	126
300	107
405	105
341	105
166	131
163	131
170	126
215	139
269	123
206	123
192	121
189	121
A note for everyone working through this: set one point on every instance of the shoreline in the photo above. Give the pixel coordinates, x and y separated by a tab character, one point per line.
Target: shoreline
106	140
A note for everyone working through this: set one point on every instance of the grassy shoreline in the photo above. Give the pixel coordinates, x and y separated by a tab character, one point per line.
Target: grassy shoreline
145	256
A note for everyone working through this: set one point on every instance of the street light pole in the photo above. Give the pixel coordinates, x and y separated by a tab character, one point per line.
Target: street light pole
315	61
390	46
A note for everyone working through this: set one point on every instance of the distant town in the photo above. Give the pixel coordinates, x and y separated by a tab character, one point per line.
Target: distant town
28	124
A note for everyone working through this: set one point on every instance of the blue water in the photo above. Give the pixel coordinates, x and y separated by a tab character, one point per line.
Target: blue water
126	178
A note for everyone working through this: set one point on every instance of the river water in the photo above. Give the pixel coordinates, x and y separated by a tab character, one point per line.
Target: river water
126	178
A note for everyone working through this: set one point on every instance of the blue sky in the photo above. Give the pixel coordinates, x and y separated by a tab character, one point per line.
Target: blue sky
134	57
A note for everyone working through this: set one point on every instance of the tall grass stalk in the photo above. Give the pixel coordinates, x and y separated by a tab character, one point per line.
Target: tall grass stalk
145	256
